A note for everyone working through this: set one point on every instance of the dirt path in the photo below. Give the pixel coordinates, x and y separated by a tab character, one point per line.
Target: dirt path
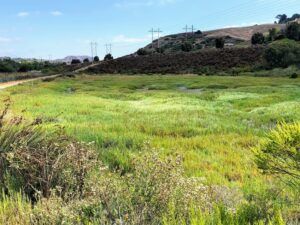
5	85
17	82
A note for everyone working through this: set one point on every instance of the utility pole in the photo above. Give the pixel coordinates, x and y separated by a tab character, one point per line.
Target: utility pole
186	29
158	31
152	31
193	29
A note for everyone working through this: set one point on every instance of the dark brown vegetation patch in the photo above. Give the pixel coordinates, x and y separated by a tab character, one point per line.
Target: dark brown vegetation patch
182	62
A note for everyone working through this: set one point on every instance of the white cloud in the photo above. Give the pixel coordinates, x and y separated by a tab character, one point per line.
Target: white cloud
8	40
143	3
23	14
247	24
5	40
56	13
123	39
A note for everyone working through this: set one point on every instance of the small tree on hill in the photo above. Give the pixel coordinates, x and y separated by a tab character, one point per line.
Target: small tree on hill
220	42
96	59
198	32
75	61
108	57
186	47
282	19
272	34
86	60
293	31
258	39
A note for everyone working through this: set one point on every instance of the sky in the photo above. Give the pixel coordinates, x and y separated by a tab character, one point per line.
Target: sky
58	28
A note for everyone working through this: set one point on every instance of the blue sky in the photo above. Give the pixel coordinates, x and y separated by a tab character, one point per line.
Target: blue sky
40	28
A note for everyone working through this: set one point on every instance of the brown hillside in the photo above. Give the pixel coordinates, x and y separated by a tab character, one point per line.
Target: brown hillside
243	33
234	37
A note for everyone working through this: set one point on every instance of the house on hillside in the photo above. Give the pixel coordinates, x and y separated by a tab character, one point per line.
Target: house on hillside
295	21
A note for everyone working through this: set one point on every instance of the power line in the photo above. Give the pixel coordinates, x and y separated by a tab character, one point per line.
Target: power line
238	10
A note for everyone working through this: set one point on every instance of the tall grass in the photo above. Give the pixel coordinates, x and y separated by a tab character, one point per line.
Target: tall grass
213	122
15	209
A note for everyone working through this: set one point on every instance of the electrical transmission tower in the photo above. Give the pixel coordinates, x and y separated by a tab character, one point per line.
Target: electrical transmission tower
94	49
108	48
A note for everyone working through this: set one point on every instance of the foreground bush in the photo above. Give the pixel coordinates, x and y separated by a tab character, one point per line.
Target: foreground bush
280	153
36	162
156	192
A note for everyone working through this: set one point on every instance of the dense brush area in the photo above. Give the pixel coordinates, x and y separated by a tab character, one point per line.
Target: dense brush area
182	62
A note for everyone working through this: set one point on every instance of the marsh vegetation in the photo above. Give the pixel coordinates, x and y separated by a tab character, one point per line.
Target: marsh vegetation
150	150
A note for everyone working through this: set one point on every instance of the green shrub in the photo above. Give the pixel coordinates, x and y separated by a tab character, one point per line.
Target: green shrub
293	31
294	76
142	51
186	47
86	60
279	154
220	42
283	53
160	50
273	34
75	61
258	39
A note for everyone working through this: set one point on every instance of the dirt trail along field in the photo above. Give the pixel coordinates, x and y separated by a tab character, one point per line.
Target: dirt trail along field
5	85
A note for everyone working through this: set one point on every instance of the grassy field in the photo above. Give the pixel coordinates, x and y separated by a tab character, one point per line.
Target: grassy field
213	122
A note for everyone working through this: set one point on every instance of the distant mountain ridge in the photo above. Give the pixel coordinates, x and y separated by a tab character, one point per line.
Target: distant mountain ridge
68	59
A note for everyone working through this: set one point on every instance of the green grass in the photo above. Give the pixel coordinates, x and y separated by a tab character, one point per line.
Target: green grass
212	121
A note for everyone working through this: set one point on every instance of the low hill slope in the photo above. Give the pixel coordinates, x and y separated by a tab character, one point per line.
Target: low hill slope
192	62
